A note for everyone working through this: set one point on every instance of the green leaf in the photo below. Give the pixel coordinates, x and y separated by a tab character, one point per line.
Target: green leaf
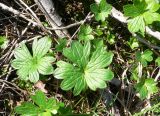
45	67
152	5
151	85
150	17
136	24
142	91
100	59
85	33
144	57
96	78
3	42
50	104
40	99
41	106
77	53
101	10
146	87
134	10
158	61
29	66
23	72
141	13
71	76
45	114
98	43
94	8
33	75
41	47
88	68
27	108
133	43
62	44
111	38
22	53
147	55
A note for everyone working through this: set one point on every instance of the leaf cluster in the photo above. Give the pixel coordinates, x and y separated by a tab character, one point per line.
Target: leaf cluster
41	106
101	10
146	87
141	13
144	57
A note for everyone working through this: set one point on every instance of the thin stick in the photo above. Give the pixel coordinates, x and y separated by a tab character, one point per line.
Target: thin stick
78	28
67	27
16	12
31	12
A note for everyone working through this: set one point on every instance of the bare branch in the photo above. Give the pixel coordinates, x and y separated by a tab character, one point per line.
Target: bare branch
16	12
47	7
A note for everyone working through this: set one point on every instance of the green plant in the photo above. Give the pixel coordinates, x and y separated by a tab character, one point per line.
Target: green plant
101	10
85	33
29	66
158	61
141	13
133	43
146	87
3	42
144	57
88	68
41	106
62	44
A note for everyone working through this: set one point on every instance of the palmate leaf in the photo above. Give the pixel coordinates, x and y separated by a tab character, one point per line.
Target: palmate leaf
134	10
150	17
41	47
153	5
85	33
41	106
144	57
29	66
72	77
136	24
141	13
27	108
101	10
146	87
61	44
77	53
87	70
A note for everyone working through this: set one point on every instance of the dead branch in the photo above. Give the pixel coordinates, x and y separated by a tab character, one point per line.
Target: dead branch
47	7
16	12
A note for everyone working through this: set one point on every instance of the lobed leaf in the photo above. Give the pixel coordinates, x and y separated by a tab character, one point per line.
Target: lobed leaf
77	53
150	17
88	68
22	53
146	87
101	10
40	99
42	106
40	47
136	24
85	33
27	108
30	66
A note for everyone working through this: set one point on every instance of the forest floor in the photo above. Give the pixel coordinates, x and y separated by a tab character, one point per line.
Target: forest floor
118	99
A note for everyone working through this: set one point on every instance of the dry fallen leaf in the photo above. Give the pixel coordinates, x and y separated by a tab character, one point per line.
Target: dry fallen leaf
41	86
